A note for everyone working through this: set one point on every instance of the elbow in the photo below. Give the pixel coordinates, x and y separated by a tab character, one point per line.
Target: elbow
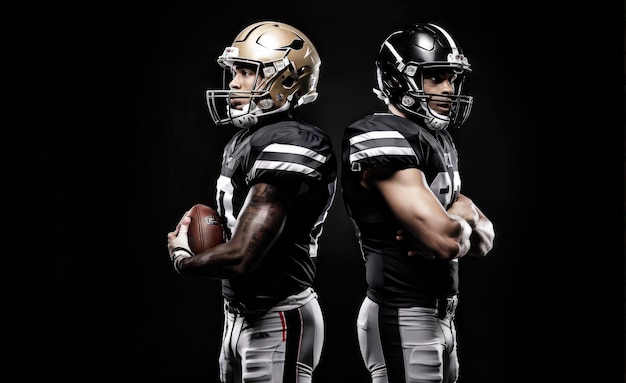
223	261
241	263
238	266
238	270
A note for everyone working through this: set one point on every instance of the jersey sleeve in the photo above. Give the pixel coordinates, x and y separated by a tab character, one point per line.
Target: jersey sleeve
378	141
288	152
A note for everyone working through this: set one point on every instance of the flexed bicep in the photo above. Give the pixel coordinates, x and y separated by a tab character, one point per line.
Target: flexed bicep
421	213
259	224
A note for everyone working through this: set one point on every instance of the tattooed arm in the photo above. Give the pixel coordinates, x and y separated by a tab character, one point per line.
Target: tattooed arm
259	223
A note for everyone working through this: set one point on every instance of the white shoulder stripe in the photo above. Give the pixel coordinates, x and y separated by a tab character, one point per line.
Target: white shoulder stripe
382	151
284	166
375	135
295	149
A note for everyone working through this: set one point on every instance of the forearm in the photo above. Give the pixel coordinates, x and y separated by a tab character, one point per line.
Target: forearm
259	224
436	233
219	262
444	237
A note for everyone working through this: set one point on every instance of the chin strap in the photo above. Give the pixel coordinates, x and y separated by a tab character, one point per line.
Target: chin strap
432	119
245	118
436	122
251	118
245	121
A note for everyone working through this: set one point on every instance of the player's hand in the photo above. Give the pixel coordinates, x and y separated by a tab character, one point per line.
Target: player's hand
464	208
415	247
178	242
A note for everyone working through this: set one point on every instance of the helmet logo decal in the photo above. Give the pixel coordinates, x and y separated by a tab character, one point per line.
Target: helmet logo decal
230	52
458	58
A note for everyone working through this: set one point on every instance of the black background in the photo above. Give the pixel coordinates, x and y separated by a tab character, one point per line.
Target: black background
109	141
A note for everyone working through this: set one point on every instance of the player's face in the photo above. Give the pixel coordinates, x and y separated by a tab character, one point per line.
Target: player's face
245	79
439	82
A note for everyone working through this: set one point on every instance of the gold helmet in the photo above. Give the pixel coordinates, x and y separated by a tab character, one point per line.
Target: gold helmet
287	63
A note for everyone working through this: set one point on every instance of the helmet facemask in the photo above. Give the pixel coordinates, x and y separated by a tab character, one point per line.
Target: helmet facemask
416	102
254	103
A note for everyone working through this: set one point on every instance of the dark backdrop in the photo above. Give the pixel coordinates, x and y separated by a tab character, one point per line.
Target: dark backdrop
109	141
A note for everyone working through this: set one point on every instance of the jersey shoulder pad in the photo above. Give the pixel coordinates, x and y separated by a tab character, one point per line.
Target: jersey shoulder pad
381	140
290	149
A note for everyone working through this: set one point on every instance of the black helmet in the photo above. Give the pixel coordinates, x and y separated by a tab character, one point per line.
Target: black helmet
402	60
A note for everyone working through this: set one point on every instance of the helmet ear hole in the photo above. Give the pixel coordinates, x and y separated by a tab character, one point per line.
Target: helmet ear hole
288	82
394	85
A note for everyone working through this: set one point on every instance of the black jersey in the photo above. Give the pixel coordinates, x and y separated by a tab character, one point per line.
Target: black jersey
290	152
387	140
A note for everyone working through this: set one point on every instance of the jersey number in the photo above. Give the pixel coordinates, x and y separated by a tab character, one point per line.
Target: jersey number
446	190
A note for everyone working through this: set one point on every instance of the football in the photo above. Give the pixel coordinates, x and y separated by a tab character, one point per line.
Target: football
205	230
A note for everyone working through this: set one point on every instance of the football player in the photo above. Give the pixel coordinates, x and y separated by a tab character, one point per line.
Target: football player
402	189
276	185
